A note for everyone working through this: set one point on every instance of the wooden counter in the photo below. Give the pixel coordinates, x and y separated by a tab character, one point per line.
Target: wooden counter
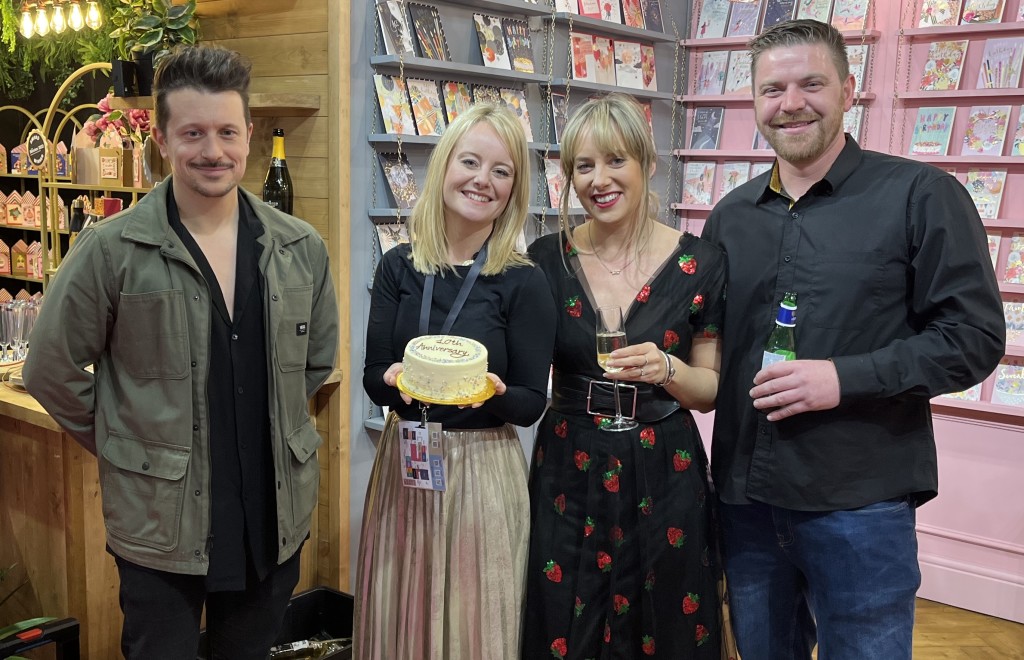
51	527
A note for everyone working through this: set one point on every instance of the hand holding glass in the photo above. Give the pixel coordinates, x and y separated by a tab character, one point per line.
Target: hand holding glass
611	335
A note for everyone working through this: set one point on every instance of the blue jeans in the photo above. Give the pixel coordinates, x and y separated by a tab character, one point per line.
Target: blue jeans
844	579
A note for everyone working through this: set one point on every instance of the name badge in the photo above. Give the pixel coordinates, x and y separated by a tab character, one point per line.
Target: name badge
422	455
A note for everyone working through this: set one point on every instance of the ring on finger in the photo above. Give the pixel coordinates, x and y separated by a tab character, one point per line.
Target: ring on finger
642	374
645	361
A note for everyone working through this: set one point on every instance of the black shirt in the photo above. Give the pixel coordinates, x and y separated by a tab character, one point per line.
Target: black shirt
890	262
512	314
243	524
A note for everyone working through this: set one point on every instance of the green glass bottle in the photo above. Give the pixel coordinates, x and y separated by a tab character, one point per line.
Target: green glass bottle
781	345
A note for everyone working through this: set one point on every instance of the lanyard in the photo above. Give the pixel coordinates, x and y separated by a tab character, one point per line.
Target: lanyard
460	300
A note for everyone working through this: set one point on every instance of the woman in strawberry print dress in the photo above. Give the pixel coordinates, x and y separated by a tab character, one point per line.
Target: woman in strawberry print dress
622	557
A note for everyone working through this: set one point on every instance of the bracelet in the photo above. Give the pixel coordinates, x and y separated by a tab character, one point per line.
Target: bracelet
670	371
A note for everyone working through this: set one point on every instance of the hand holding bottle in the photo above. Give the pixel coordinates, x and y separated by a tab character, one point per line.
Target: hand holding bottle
796	386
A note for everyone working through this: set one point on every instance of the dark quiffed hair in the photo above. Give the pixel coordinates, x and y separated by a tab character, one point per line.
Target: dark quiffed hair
801	32
207	68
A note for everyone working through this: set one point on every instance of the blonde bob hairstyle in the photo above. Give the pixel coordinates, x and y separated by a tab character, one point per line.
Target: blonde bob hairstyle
615	124
427	222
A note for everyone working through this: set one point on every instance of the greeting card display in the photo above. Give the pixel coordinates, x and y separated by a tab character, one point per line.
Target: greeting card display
711	74
707	127
610	11
426	106
733	176
850	14
1001	63
853	119
993	248
559	114
986	189
652	15
818	10
744	18
582	53
1008	389
395	28
712	19
982	11
492	41
633	13
392	234
1018	135
737	79
944	65
760	167
457	98
648	71
1013	312
603	59
970	394
939	12
858	57
426	22
486	94
394	105
698	183
777	11
590	8
517	38
400	178
986	130
932	129
515	101
628	63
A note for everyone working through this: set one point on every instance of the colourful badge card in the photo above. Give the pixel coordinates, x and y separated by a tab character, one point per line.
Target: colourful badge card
422	455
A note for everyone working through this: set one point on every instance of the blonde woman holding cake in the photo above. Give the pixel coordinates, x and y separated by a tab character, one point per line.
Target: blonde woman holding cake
441	573
622	554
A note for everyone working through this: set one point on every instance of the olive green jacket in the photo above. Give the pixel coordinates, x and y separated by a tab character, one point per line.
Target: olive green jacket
130	300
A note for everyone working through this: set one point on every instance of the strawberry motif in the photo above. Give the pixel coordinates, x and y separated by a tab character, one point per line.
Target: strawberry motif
644	295
611	477
681	460
646	506
588	527
562	429
607	633
691	603
697	304
578	608
559	648
711	331
574	307
616	536
553	571
688	264
647	645
569	249
604	561
620	604
701	636
540	456
676	537
601	422
671	341
560	504
649	581
647	437
582	460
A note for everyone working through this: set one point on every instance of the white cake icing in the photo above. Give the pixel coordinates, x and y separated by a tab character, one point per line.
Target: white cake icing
444	368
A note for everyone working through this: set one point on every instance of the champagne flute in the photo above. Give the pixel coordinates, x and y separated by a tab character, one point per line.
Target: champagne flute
611	335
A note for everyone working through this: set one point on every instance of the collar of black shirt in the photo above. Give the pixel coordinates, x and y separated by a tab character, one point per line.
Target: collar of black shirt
847	162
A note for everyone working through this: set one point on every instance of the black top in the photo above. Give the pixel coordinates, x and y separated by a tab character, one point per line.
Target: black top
890	262
512	314
243	524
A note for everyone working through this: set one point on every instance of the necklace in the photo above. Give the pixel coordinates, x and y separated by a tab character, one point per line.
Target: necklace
611	271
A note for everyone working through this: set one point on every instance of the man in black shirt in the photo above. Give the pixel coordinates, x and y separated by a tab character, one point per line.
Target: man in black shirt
819	462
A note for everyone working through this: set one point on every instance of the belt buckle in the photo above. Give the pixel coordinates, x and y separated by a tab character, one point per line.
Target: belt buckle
590	389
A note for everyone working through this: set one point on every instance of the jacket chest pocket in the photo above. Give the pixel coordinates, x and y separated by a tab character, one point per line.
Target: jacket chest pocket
143	484
150	336
292	341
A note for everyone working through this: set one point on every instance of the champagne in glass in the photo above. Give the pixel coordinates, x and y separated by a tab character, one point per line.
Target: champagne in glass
611	335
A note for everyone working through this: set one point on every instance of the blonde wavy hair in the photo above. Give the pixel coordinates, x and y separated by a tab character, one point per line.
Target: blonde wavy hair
426	224
616	124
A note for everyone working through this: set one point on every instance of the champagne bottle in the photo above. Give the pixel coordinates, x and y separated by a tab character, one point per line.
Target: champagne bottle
781	344
77	220
277	188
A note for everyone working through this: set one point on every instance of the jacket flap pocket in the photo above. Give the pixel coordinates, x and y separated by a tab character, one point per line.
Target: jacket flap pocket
304	440
147	458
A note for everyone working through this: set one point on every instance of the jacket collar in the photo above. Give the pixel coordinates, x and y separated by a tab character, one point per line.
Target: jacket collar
146	222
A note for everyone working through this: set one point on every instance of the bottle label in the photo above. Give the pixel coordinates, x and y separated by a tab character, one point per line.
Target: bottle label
779	356
274	203
787	316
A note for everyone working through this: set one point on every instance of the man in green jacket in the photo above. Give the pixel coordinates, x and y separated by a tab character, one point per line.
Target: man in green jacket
180	342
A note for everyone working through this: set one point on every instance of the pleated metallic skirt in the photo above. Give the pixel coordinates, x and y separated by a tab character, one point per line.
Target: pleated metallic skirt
441	576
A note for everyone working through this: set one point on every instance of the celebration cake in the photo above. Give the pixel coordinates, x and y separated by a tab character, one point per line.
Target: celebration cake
445	369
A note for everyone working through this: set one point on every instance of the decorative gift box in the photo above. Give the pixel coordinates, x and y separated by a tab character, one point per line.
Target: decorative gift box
19	258
98	166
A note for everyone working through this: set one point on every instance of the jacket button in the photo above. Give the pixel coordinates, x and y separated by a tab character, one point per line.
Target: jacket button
281	251
197	493
145	465
193	363
274	297
284	541
195	297
197	553
195	427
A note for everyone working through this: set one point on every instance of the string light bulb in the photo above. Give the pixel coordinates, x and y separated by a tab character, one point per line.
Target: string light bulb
27	29
57	21
42	22
92	15
75	19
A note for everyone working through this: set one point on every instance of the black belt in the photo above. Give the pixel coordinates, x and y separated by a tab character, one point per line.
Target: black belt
573	394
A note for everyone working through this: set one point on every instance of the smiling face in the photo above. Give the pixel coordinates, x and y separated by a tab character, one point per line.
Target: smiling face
478	180
799	101
610	185
206	140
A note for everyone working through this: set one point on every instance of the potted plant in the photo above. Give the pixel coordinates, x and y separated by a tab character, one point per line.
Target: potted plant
146	30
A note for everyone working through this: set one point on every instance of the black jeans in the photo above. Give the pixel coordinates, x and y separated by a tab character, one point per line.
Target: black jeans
162	613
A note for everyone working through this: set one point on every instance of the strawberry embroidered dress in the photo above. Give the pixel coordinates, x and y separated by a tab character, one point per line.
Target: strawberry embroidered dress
621	552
